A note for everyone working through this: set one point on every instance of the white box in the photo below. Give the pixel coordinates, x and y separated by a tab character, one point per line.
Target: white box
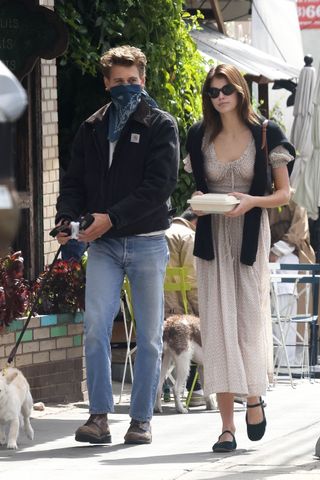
213	202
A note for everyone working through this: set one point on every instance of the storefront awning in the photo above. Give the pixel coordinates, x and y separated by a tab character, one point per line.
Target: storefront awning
248	59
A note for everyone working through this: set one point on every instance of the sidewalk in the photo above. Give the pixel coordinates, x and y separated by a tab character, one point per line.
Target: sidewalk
181	447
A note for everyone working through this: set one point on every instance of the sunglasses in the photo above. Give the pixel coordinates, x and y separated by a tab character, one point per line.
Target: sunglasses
228	89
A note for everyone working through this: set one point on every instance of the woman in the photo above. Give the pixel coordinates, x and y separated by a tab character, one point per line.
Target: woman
228	154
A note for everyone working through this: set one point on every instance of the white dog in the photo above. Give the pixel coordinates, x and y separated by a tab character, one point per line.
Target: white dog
15	400
181	345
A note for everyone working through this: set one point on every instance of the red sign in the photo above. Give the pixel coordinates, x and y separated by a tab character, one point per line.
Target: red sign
309	13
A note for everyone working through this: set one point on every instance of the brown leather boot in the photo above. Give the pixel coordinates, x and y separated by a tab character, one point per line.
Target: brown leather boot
95	430
138	432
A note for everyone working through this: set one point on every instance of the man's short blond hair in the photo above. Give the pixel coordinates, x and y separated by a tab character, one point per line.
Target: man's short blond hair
126	56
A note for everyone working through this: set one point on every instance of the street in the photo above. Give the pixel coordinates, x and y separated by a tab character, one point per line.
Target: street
181	447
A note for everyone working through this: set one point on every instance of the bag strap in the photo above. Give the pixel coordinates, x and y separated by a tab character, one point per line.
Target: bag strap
264	143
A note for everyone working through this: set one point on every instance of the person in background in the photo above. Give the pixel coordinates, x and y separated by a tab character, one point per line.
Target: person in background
290	243
73	250
123	170
180	238
228	155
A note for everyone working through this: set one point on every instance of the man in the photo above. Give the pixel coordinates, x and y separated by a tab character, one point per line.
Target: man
123	170
180	238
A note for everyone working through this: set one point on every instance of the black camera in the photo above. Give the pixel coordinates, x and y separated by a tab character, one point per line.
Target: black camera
73	228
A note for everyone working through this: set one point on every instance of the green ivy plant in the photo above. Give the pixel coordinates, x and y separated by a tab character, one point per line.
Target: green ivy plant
175	70
277	115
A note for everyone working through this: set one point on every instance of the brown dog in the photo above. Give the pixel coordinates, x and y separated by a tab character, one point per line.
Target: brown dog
181	345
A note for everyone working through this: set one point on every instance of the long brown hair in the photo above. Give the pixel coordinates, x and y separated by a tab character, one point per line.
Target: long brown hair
211	117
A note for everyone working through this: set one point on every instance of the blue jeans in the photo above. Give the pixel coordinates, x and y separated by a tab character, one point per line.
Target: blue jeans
143	260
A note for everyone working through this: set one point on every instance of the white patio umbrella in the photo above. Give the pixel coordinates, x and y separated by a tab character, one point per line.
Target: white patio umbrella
308	189
301	128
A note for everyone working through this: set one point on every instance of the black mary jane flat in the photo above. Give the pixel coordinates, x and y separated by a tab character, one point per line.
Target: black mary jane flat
256	431
227	446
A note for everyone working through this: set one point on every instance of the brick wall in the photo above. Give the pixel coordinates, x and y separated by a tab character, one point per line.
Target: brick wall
50	151
50	355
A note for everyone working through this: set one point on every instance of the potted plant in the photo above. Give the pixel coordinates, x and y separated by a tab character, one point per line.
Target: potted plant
62	290
15	291
42	331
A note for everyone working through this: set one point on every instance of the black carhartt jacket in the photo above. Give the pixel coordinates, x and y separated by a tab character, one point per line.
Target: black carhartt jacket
260	185
142	176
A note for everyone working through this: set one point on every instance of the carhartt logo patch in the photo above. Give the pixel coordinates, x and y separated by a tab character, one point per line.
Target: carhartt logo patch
135	137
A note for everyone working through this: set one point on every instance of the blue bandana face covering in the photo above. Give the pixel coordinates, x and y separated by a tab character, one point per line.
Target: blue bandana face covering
125	99
123	95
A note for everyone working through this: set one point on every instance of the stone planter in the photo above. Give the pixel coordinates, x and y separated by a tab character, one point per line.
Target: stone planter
50	355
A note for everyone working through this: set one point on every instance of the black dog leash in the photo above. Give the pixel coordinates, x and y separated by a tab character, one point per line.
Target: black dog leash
83	224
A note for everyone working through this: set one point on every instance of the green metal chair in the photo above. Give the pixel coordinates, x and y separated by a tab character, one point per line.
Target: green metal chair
127	308
176	281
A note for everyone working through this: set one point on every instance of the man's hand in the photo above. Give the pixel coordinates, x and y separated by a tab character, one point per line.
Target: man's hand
101	225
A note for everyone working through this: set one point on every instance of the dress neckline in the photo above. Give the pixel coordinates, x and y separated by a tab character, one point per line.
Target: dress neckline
243	154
